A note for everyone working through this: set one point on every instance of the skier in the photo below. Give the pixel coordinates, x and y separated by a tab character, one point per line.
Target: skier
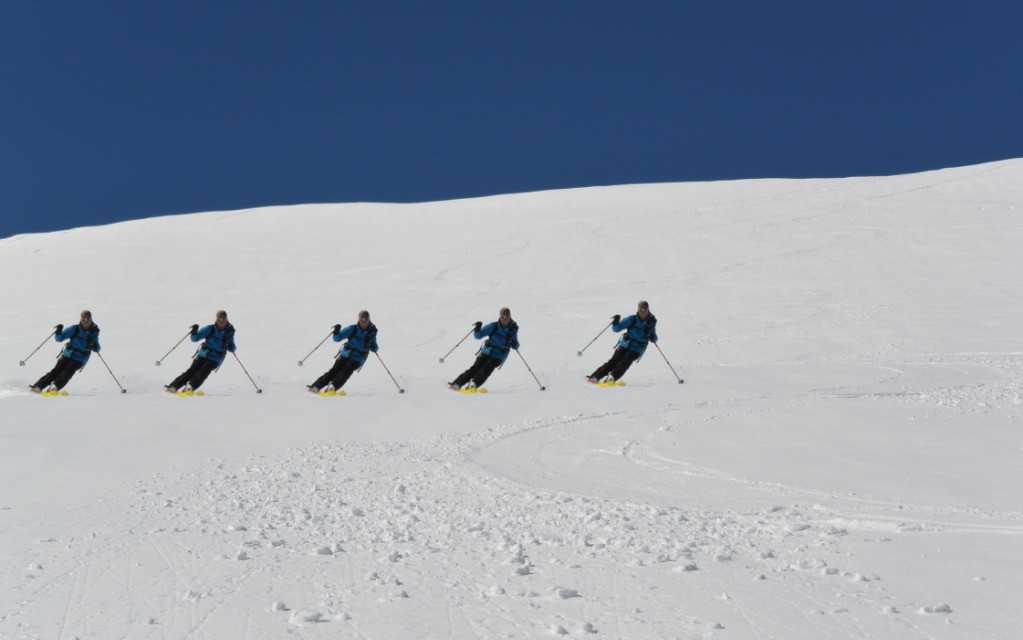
362	338
219	339
502	337
640	329
83	338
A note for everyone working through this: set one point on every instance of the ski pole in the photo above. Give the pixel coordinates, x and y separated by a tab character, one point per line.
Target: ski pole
542	388
21	363
400	390
173	348
258	390
680	381
580	353
459	342
302	361
123	390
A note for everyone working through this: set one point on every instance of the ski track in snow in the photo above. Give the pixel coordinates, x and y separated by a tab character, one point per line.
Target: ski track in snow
381	530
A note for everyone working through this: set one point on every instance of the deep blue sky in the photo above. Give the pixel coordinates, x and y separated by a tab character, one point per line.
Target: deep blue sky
115	110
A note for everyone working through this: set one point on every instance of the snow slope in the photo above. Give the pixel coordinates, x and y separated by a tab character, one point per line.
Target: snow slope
843	460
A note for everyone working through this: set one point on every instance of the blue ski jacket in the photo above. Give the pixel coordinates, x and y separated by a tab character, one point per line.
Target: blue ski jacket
360	342
218	342
501	339
81	342
637	332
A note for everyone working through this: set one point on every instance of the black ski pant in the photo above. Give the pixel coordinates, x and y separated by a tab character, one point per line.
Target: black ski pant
196	374
338	375
619	363
478	372
61	373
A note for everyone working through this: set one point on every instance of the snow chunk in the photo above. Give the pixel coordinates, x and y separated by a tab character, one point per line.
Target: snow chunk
809	564
304	617
935	608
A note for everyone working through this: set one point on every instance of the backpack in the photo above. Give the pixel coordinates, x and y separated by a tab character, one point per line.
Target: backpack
90	338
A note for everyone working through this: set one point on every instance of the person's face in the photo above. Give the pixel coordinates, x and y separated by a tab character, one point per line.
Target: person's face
643	313
86	321
221	323
363	322
505	319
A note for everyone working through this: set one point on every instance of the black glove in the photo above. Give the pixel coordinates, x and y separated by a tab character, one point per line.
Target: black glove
616	318
58	328
478	325
337	329
194	329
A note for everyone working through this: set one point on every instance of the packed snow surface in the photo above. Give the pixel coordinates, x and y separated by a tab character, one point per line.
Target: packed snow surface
844	459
